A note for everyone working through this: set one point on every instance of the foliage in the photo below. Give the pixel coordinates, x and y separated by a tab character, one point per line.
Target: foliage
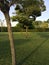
48	21
28	8
6	4
37	23
31	7
23	20
21	26
44	25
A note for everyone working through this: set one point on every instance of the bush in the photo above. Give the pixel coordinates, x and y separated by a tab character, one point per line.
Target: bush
3	29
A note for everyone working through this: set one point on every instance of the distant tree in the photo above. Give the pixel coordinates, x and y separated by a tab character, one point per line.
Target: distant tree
30	9
44	25
37	23
1	24
19	27
24	21
48	21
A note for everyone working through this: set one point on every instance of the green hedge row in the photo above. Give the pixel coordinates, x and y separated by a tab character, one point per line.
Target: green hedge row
14	29
39	30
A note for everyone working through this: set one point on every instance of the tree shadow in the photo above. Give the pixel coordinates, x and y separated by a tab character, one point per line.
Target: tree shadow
43	34
32	53
21	41
5	53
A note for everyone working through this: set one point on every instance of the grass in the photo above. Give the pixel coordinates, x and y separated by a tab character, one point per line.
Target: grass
31	51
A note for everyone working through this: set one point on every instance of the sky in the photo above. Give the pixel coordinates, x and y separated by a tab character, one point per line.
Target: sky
2	18
11	13
44	16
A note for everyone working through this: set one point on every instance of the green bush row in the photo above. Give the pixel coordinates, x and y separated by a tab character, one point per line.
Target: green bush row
14	29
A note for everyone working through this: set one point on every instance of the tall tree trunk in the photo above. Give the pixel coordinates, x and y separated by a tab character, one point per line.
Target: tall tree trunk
26	31
7	17
1	26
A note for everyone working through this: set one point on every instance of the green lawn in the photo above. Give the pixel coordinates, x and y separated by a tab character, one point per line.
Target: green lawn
31	51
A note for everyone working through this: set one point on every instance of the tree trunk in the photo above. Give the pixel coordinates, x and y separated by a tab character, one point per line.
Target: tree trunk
7	17
1	26
26	31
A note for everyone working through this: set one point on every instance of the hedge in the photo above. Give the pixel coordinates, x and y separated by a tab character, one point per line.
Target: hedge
14	29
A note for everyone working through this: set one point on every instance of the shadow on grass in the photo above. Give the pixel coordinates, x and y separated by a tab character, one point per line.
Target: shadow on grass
32	53
43	34
21	41
5	55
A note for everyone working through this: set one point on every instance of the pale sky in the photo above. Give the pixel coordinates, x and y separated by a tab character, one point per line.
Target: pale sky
44	16
11	11
3	18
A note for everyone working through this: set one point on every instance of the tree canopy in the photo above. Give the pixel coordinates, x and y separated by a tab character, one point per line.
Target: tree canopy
31	7
6	4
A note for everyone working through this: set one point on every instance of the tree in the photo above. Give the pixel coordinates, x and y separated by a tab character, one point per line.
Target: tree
44	25
29	8
48	21
5	7
24	21
1	23
37	23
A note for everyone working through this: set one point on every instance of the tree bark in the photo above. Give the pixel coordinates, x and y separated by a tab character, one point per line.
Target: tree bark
26	31
7	17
